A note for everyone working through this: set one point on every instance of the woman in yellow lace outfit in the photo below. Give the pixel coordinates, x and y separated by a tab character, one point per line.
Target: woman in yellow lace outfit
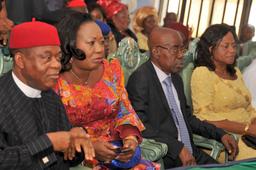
219	94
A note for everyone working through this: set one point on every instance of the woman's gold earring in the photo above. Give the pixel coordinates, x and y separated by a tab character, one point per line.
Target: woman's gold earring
71	60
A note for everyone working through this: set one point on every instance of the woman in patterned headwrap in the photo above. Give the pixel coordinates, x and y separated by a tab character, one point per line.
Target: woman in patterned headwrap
118	18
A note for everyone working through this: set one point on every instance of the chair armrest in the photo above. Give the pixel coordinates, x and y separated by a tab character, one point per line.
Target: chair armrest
211	144
153	150
235	136
80	167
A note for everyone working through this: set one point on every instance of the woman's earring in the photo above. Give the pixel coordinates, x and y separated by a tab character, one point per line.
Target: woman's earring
212	58
71	61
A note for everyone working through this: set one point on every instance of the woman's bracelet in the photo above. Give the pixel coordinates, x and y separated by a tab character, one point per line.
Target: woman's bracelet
246	128
83	129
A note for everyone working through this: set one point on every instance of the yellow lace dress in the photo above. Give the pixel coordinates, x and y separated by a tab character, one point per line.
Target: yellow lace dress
216	99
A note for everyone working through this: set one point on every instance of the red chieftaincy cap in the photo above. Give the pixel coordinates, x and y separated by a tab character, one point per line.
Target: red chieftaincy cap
111	7
76	3
33	34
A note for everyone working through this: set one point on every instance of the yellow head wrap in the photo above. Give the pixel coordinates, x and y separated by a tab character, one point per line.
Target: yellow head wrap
140	15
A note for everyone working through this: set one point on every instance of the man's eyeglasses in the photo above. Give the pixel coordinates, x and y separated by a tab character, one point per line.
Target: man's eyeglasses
174	50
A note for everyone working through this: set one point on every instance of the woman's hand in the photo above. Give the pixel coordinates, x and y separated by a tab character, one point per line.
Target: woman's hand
231	146
129	146
187	159
105	151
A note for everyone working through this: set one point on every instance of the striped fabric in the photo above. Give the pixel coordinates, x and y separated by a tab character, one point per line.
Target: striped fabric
24	123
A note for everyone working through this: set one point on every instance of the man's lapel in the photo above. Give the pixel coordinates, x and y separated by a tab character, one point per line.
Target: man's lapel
159	89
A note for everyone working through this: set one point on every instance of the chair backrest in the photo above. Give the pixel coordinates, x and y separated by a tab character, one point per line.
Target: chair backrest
186	74
5	61
188	68
248	47
243	61
129	56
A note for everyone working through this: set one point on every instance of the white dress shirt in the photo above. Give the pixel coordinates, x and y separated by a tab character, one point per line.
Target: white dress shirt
249	76
162	76
27	90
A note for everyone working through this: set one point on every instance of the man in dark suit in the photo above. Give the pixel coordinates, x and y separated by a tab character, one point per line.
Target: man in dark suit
148	92
34	130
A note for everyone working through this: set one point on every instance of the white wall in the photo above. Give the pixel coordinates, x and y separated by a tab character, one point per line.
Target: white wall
135	4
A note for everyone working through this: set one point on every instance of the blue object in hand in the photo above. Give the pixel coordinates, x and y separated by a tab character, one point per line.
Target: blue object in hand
116	164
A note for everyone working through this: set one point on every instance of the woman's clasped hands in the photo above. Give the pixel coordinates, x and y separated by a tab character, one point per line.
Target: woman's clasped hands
106	151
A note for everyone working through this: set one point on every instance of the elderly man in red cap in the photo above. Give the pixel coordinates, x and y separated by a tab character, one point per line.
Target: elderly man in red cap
34	130
77	5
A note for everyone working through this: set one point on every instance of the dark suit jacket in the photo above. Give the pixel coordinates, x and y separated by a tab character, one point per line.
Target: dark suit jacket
50	11
24	123
149	101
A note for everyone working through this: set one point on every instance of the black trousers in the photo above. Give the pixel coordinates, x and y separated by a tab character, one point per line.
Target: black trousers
200	156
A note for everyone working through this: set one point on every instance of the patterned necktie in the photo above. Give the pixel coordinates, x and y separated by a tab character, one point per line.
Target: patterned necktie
176	115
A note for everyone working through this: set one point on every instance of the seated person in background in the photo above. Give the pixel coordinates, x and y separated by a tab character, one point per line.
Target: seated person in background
117	18
169	18
108	38
5	24
184	30
77	5
5	27
97	12
144	20
170	21
34	129
156	93
219	94
245	39
247	33
92	89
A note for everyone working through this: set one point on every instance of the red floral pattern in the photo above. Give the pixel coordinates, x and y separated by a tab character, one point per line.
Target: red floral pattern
100	109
